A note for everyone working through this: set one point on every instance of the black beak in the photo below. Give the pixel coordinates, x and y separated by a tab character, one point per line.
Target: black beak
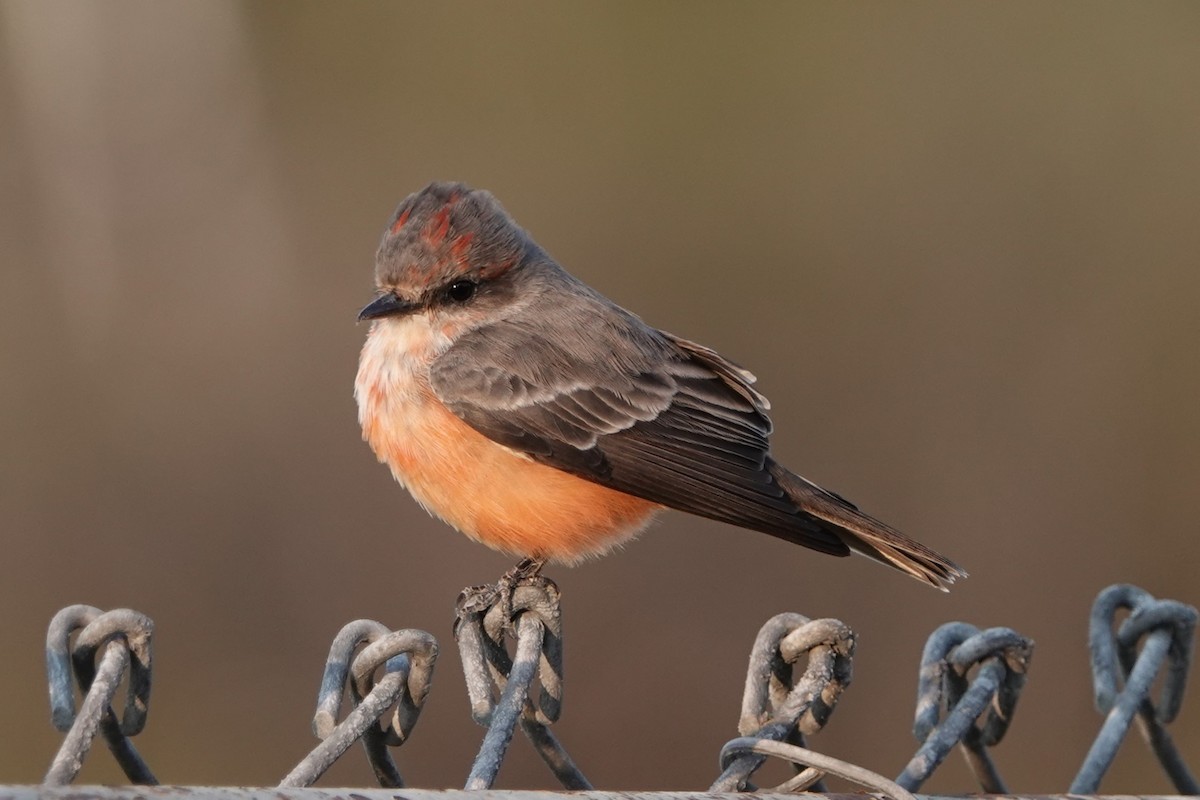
386	305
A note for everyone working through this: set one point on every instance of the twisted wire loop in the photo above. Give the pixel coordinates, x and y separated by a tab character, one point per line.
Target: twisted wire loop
407	658
1167	629
499	686
124	636
951	652
776	707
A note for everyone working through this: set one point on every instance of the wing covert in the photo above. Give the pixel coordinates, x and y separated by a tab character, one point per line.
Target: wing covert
663	419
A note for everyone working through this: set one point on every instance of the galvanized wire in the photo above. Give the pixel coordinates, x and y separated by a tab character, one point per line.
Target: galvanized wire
777	708
125	637
1168	629
499	686
969	684
407	658
815	762
340	793
951	652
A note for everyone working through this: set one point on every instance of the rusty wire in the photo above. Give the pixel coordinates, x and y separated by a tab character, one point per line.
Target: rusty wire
499	685
1168	630
125	637
777	708
952	651
407	658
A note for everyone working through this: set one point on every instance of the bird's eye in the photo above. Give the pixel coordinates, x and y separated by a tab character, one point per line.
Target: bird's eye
461	291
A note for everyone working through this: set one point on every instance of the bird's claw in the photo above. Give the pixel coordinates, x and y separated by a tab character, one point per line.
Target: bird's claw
477	599
499	595
495	600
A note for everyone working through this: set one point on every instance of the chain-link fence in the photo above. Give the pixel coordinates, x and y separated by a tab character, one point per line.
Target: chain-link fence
968	685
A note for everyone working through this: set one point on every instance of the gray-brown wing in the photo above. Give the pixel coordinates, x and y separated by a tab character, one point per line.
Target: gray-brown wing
660	418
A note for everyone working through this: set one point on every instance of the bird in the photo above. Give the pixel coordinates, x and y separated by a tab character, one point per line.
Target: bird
537	417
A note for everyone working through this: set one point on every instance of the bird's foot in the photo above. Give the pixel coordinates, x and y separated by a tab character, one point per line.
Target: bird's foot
482	599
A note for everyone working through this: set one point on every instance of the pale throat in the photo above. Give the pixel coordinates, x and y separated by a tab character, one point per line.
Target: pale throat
393	370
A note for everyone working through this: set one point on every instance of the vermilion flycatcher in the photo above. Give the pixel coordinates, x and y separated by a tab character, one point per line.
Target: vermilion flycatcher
537	417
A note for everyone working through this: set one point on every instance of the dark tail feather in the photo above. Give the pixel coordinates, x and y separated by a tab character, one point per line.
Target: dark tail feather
866	535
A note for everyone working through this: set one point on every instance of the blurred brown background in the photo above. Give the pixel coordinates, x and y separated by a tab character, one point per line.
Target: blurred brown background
956	242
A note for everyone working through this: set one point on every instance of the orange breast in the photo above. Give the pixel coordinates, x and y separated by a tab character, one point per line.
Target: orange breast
489	492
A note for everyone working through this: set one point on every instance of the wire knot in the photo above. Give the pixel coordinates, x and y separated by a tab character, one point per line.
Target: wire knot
950	654
773	696
1114	654
406	658
775	705
1123	678
527	608
1002	657
481	632
409	654
122	638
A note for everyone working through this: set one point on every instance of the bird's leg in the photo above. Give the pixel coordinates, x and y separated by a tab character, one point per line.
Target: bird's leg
526	569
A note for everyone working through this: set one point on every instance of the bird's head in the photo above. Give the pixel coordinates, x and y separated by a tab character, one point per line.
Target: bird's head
451	250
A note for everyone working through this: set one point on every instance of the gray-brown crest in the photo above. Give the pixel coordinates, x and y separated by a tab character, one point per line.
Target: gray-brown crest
447	231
